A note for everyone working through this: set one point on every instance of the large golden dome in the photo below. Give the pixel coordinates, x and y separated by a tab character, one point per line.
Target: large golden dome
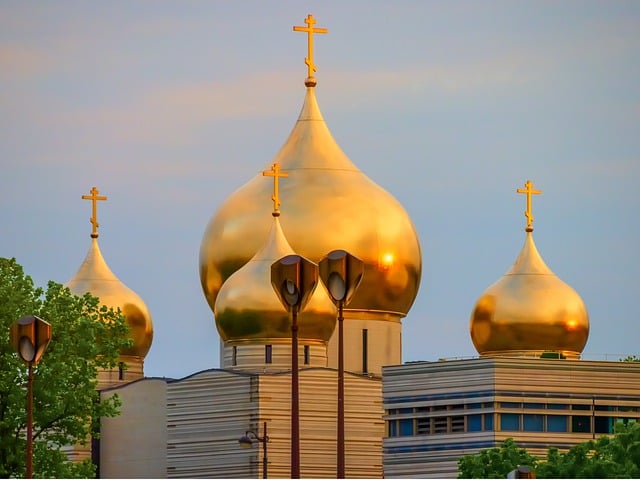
529	311
247	309
329	204
95	276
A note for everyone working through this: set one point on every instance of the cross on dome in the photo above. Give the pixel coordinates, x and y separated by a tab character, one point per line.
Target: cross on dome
310	29
276	174
94	197
528	190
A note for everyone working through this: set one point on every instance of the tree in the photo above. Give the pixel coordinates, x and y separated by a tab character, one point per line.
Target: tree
630	358
606	457
495	462
86	337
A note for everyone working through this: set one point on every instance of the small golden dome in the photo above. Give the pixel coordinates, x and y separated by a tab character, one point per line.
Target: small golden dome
247	309
95	276
529	311
329	204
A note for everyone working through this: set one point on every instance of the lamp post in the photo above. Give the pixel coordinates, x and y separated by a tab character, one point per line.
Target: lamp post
294	278
341	273
248	439
30	336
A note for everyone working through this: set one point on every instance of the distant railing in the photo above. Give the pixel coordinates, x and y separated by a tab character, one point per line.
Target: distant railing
603	357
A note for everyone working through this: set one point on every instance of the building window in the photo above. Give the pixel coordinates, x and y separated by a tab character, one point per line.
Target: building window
556	423
603	424
457	424
510	422
268	354
406	427
533	423
510	405
306	355
423	426
234	356
558	406
393	428
488	422
121	371
440	425
474	423
365	351
580	424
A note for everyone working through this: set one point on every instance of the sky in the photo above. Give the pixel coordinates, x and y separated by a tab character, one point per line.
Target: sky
168	107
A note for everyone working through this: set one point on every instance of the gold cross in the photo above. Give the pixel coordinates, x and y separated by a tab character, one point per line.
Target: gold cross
94	219
310	21
528	190
275	173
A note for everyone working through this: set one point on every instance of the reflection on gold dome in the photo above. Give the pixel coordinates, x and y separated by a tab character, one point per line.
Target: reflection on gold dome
328	204
529	310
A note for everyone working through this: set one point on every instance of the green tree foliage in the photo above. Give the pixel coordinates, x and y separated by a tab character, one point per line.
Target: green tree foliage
606	457
630	358
495	462
85	337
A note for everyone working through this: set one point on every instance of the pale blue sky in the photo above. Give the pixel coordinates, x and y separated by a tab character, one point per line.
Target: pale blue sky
168	107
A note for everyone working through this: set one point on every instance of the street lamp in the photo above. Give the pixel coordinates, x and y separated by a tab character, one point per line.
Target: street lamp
30	336
247	440
294	278
341	273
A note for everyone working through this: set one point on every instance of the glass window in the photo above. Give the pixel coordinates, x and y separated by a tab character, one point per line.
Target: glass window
510	422
393	428
510	405
440	425
532	423
558	406
603	424
267	354
580	407
474	423
474	405
534	405
605	408
488	421
405	410
580	424
406	427
556	423
306	355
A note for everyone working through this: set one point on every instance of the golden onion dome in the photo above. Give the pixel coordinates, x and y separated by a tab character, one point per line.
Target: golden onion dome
95	276
529	310
247	309
329	204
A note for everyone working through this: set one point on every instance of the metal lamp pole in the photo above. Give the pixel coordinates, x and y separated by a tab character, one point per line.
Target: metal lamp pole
247	440
294	278
341	273
30	336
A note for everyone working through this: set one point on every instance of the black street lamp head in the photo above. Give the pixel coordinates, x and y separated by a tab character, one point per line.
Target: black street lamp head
30	337
294	279
341	273
246	441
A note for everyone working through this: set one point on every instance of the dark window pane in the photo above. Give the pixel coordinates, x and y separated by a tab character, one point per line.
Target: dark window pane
605	408
406	427
556	423
557	406
474	405
405	410
440	425
580	424
534	405
474	423
603	424
580	407
393	428
457	424
510	405
510	421
423	426
533	423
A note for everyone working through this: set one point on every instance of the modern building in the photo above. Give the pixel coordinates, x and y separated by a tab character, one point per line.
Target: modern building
528	384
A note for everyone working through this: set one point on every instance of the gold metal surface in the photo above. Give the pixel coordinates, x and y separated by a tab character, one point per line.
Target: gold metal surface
528	190
94	217
96	277
248	310
328	204
276	174
310	29
529	311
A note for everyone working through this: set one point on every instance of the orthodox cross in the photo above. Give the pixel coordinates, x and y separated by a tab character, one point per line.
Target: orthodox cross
276	174
94	219
528	190
310	21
